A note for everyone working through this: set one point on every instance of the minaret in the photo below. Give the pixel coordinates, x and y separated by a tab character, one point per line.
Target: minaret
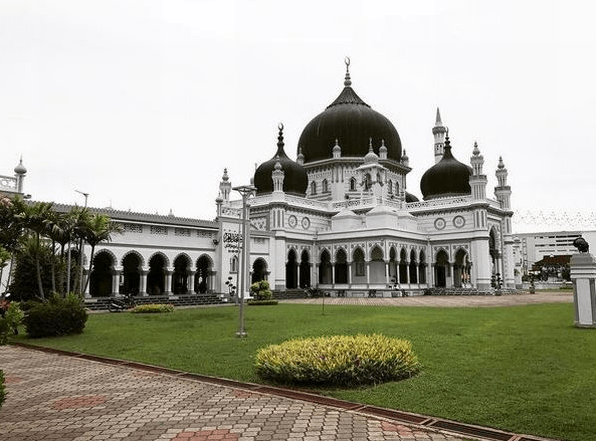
503	191
20	172
477	180
439	131
225	187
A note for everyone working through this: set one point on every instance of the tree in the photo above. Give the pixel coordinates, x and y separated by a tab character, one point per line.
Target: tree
99	228
35	218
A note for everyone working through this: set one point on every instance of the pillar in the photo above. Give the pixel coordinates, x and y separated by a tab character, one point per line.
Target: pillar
116	273
190	281
168	282
143	282
583	275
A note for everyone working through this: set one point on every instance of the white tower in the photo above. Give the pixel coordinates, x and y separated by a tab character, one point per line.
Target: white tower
439	131
477	180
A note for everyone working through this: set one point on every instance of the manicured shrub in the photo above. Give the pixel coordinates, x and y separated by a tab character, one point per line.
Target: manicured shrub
57	316
261	290
2	388
11	316
338	360
262	302
153	308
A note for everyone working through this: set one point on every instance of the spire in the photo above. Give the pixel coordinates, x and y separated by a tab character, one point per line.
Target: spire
336	151
20	168
438	121
383	150
300	157
225	176
439	131
501	165
476	150
347	80
280	140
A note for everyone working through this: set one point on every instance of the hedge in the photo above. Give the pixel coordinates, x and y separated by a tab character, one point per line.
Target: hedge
338	360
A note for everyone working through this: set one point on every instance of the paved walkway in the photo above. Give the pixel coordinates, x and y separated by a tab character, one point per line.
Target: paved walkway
67	398
449	301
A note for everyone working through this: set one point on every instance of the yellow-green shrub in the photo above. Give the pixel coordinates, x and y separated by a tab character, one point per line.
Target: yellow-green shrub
153	308
338	360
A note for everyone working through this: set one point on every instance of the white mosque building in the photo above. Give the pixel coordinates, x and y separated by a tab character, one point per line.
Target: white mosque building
338	218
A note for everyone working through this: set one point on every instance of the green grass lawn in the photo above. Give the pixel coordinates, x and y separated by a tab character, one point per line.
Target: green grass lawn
524	369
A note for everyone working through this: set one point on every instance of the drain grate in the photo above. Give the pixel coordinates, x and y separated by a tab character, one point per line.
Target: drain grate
471	430
319	399
394	414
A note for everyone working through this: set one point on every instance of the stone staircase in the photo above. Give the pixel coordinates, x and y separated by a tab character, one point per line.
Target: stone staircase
101	303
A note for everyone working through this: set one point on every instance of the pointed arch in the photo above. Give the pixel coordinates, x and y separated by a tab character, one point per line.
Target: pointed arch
413	267
100	279
182	268
132	265
390	187
377	266
441	268
393	275
403	266
313	188
422	267
358	266
202	282
461	268
341	266
352	184
259	270
324	186
156	278
292	270
325	271
304	269
133	252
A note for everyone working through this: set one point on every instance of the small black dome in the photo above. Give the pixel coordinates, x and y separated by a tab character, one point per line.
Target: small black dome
295	178
411	198
352	122
448	177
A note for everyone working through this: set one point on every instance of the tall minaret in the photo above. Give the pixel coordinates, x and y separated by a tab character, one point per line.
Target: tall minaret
20	172
478	179
225	187
439	131
503	191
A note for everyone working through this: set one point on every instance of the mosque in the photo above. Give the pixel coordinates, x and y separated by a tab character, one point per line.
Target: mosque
338	218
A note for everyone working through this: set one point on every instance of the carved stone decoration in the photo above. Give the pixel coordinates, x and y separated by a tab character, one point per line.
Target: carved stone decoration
459	221
292	221
305	223
259	223
440	223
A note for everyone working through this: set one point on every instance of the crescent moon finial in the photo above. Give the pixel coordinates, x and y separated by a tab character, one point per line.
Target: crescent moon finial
280	126
347	61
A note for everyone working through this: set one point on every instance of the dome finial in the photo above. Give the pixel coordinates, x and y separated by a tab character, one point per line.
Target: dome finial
280	137
347	81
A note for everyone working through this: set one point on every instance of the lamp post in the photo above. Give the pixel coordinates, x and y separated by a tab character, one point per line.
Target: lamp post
86	195
245	191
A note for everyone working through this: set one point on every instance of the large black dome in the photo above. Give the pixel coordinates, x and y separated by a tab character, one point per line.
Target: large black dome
448	177
295	178
352	122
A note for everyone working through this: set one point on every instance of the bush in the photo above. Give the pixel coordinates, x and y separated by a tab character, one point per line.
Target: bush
262	302
2	388
261	290
11	318
153	308
338	360
57	316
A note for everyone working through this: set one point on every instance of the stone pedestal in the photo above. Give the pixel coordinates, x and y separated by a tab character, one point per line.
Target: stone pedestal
583	276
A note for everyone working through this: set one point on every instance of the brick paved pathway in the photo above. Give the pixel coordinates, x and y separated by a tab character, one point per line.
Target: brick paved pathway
448	301
66	398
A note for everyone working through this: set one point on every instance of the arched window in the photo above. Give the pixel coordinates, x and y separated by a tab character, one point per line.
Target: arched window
234	264
324	186
390	186
353	184
313	187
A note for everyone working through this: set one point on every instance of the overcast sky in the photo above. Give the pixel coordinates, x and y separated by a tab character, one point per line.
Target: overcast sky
143	103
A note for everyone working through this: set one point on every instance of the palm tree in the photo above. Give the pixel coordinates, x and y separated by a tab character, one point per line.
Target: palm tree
61	231
80	218
99	228
35	218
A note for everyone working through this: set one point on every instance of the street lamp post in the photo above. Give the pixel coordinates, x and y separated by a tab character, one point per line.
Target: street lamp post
245	191
86	195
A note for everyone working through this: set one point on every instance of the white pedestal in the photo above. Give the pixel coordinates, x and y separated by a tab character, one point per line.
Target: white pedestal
583	276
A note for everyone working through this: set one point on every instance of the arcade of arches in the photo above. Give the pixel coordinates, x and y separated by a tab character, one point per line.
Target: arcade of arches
402	268
156	277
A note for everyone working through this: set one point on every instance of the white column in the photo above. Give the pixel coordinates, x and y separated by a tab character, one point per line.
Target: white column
190	282
115	281
143	282
168	282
